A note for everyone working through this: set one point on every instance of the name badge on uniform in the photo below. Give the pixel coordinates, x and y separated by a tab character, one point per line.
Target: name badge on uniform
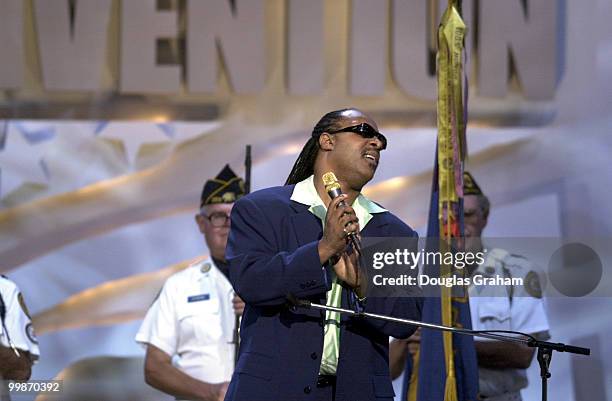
197	298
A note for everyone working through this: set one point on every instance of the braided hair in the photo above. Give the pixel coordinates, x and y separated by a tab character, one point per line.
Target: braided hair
304	164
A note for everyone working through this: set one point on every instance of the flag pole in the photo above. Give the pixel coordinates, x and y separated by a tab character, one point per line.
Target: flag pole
247	190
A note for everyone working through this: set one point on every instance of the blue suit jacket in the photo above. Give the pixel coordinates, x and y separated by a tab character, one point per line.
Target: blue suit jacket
272	251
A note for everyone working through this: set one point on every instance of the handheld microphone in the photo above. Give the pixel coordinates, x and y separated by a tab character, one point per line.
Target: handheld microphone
332	186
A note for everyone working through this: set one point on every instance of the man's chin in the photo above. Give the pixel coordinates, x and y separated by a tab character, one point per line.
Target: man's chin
359	178
473	244
367	174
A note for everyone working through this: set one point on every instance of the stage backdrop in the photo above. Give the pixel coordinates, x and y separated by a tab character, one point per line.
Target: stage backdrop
103	158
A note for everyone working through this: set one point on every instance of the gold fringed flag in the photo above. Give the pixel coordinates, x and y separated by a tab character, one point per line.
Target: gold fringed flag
451	137
445	367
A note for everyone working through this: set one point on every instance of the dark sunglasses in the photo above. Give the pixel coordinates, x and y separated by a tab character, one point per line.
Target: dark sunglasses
365	131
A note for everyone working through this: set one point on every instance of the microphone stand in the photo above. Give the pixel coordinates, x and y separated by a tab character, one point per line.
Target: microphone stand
545	348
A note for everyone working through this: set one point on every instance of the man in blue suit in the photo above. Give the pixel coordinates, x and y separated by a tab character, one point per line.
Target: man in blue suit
292	240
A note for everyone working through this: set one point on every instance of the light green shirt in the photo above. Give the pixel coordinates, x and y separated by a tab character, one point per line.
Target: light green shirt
306	194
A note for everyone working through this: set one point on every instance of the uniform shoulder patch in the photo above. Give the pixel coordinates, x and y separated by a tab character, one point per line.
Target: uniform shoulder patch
489	271
532	284
29	330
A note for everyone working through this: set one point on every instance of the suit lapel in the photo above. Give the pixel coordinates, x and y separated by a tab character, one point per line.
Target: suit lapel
376	227
306	226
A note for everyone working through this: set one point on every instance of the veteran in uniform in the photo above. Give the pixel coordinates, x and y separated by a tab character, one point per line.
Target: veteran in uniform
188	330
501	366
18	344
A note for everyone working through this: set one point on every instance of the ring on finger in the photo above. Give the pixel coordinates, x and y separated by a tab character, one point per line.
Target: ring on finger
348	223
355	222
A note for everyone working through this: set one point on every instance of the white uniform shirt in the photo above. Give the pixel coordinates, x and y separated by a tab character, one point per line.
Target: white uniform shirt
17	322
192	320
502	308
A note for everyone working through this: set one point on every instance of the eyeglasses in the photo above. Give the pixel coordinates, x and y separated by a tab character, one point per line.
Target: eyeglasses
365	131
218	219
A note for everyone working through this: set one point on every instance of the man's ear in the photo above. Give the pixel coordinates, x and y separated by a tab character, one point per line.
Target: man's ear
326	141
485	220
199	219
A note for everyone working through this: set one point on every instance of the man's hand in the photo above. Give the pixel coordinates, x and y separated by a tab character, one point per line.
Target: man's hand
161	374
414	342
238	305
500	355
400	349
347	270
15	367
219	391
339	221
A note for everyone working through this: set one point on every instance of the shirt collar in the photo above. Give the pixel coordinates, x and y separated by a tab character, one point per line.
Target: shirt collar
305	193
